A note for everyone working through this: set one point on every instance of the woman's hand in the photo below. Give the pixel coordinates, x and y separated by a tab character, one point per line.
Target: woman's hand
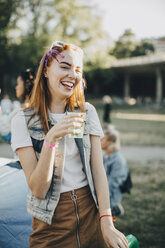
67	125
112	237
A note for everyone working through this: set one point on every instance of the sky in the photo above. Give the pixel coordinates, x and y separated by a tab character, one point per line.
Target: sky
146	18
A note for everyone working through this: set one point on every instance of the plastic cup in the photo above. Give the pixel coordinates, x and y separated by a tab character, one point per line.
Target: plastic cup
132	241
77	135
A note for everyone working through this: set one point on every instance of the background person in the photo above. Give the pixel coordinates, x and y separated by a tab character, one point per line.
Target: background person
25	82
107	101
6	115
6	105
116	167
62	197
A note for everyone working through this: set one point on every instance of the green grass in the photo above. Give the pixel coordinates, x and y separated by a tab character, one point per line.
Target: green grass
137	132
144	207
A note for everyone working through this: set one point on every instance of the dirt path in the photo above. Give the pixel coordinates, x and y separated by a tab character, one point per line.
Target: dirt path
132	153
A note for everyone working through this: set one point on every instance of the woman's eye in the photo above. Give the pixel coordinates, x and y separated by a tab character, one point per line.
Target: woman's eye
65	67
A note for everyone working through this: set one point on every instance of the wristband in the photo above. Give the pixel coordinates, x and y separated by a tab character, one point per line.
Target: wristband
49	145
105	215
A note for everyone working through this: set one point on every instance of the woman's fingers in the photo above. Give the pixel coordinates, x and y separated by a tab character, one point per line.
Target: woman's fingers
71	119
120	242
125	241
73	123
68	125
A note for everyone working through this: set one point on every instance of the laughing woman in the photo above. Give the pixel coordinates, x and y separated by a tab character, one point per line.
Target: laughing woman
68	197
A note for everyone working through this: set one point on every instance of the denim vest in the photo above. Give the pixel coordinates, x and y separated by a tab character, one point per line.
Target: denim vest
44	209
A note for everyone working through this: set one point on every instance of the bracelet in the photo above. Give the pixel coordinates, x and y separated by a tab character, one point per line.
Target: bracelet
49	145
104	215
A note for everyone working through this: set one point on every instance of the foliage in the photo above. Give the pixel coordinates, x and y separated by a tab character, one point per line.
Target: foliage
7	8
75	16
126	46
28	26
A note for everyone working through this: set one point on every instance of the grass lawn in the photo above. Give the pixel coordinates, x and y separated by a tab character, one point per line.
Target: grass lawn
137	132
144	207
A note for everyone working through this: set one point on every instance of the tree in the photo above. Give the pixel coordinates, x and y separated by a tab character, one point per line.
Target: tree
143	48
33	25
78	22
7	8
127	46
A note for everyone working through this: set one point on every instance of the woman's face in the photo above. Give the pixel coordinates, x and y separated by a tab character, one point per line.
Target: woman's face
19	87
64	74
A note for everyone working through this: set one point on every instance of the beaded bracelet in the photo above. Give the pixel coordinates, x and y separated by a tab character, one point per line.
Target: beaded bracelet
104	215
49	145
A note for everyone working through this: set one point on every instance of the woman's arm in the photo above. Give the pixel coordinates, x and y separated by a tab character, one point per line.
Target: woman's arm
112	236
39	172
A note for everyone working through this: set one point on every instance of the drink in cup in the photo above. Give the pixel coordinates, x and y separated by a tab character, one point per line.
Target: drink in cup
83	116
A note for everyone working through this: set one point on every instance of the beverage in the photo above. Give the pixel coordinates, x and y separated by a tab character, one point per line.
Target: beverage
132	241
78	135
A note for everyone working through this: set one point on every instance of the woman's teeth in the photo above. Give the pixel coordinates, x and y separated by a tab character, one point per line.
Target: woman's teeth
67	84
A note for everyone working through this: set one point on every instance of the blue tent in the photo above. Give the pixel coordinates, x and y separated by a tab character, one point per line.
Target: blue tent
15	222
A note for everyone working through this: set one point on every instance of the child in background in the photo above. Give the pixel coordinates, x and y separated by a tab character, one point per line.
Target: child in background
115	166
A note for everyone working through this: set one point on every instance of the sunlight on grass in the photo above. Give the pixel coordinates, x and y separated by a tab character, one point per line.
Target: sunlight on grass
147	117
138	131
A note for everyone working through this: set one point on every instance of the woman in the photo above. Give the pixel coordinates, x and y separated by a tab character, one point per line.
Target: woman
25	82
63	200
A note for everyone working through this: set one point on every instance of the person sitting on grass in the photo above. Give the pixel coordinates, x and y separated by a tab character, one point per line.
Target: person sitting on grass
116	167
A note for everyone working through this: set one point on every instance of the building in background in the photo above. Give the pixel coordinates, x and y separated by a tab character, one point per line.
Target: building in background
159	44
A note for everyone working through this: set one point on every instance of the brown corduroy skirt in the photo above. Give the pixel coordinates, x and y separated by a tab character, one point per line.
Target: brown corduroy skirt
75	224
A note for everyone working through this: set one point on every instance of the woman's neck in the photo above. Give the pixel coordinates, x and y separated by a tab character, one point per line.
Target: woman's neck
57	106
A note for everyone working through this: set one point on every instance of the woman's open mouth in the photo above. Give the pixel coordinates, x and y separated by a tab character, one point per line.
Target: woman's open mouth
67	85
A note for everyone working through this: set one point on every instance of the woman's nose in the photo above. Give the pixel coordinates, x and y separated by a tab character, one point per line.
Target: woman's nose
72	74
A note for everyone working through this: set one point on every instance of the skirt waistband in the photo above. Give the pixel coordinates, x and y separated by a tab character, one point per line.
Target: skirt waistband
78	192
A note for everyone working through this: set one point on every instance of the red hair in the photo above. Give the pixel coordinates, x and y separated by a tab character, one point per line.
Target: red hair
41	98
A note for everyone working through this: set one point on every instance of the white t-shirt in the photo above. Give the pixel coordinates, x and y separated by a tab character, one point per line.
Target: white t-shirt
5	122
73	175
6	106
